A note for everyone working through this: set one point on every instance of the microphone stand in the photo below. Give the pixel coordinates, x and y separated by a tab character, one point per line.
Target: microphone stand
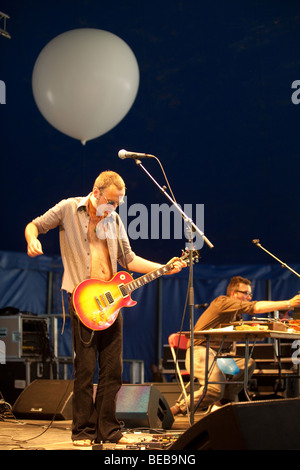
191	227
284	265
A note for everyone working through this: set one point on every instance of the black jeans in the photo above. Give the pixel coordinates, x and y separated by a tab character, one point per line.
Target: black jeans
94	417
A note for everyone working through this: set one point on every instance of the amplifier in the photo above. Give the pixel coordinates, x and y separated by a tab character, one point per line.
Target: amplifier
25	336
17	374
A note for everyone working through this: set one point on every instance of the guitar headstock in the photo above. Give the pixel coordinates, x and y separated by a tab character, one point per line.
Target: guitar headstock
186	256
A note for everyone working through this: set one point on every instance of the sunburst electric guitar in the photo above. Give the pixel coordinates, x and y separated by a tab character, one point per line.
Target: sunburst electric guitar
97	303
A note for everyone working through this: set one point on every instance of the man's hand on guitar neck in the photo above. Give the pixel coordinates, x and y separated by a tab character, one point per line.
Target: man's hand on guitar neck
178	264
141	265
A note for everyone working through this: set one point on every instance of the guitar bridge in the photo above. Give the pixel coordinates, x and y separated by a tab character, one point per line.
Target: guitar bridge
98	302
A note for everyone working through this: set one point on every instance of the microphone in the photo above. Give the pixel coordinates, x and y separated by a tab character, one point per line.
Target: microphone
135	155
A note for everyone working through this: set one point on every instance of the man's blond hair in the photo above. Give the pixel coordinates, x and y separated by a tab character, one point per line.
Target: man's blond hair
107	178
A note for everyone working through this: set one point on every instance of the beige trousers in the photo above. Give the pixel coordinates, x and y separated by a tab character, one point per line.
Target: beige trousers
215	391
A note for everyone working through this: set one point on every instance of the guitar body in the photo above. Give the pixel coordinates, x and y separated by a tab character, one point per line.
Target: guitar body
97	303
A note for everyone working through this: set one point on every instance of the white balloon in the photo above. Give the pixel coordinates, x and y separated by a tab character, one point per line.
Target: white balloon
85	81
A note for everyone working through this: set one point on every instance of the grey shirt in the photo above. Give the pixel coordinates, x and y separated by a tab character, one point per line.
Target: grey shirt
71	216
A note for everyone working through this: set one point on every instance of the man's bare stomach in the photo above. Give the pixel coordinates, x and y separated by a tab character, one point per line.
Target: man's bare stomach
100	265
100	261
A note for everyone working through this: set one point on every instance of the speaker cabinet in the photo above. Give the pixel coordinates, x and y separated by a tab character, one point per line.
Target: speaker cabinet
137	405
260	425
170	391
143	406
45	399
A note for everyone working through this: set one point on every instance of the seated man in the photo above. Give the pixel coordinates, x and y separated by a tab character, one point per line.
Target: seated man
223	310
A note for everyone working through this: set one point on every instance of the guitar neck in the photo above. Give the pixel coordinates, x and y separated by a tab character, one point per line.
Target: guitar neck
141	281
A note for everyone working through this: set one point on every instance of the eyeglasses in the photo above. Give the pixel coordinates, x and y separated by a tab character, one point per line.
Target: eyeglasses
245	292
113	203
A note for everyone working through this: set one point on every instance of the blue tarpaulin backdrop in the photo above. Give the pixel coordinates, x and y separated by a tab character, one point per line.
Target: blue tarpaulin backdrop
161	303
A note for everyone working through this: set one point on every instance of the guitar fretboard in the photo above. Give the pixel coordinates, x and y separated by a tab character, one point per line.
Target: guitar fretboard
141	281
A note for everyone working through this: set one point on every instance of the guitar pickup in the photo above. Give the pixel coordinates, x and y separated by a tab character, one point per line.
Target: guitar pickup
109	297
123	290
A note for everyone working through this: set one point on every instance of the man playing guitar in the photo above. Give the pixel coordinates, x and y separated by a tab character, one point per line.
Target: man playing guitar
90	250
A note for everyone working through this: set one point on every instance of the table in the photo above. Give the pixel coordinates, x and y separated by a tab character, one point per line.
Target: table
222	335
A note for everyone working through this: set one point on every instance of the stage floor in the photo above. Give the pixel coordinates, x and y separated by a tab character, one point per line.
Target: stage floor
257	425
18	434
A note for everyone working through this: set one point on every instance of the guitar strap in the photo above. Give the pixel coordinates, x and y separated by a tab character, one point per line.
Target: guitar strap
120	241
